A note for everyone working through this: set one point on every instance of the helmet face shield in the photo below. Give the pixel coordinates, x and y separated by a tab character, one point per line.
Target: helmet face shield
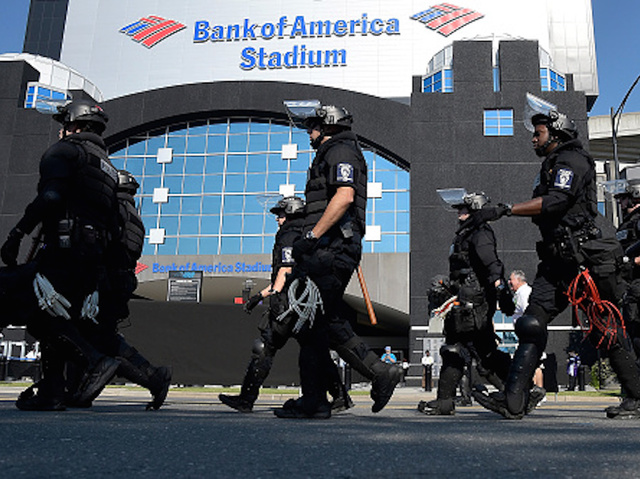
308	114
534	107
453	197
302	112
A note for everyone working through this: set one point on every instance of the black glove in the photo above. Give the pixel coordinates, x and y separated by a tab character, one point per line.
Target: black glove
252	303
505	298
11	247
303	246
492	213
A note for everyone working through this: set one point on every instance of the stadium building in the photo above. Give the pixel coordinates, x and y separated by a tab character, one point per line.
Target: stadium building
194	91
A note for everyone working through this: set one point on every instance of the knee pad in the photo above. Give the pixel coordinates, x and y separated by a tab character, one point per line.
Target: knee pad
532	330
455	354
258	347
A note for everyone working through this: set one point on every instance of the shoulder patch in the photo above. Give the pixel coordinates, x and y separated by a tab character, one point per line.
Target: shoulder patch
564	178
287	255
344	173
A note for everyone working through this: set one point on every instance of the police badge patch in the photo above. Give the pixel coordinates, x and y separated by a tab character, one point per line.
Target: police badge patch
287	255
344	173
564	178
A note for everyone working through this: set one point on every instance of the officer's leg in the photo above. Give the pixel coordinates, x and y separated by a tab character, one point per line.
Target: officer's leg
532	336
136	368
62	336
273	336
453	362
50	396
355	352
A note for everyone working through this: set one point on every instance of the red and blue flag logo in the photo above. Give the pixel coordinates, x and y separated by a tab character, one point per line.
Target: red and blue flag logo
446	18
152	29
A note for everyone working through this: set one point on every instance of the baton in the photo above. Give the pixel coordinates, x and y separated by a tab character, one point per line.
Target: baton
367	299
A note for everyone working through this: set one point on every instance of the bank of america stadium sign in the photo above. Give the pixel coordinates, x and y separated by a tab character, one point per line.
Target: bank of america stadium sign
148	31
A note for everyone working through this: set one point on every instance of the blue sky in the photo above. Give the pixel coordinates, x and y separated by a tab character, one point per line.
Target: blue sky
617	47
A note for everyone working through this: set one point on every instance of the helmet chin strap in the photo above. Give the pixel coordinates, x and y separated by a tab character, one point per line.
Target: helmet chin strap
315	143
542	150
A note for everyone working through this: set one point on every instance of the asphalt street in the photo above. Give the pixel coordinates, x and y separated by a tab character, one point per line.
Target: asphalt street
194	435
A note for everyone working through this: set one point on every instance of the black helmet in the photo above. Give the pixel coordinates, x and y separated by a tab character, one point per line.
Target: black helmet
82	111
631	190
290	206
558	124
127	182
473	201
330	115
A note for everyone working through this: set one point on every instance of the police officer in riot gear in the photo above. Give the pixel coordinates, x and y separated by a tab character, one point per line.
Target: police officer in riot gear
77	207
629	236
328	253
276	328
564	209
476	277
122	254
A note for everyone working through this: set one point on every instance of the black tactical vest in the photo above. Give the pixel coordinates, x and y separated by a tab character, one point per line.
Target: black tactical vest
92	196
629	230
289	232
132	227
319	191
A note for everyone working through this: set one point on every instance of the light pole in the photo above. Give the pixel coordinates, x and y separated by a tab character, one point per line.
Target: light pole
615	124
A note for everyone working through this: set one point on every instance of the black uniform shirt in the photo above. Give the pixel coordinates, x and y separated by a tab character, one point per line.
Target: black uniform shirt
567	186
282	256
478	243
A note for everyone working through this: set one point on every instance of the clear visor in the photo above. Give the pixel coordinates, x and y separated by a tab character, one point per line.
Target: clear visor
613	187
50	107
300	110
535	106
453	197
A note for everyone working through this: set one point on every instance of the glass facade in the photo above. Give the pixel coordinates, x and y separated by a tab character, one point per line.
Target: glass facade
498	122
41	96
551	80
441	81
206	187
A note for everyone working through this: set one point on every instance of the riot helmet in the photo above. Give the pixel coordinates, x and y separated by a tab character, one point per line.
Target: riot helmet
289	206
82	112
127	182
560	126
311	114
458	198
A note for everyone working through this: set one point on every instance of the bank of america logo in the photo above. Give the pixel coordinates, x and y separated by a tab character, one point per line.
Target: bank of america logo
446	18
140	267
150	30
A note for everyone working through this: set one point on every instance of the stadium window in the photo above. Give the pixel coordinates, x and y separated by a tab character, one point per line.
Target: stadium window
498	122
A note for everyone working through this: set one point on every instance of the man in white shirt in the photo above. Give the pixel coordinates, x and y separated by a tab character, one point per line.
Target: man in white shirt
427	364
521	291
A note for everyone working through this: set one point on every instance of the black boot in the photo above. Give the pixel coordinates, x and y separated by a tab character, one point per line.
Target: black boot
238	403
437	407
137	369
387	376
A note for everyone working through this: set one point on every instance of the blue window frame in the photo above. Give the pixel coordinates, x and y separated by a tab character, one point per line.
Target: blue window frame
441	81
551	80
498	122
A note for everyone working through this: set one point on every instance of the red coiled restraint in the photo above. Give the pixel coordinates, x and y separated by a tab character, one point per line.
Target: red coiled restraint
598	313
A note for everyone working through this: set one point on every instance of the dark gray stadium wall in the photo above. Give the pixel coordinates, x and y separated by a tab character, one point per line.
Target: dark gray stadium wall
24	135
